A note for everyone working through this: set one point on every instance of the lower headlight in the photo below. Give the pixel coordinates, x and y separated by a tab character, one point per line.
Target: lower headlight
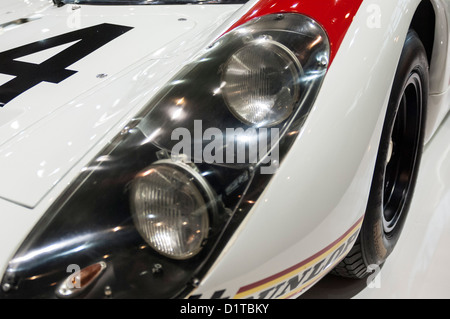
261	82
169	209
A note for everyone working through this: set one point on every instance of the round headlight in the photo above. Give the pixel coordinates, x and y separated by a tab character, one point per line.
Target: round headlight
261	83
169	210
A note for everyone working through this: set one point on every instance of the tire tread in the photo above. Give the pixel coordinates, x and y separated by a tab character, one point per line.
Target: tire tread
352	266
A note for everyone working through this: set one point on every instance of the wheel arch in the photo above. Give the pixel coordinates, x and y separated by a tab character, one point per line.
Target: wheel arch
430	21
424	23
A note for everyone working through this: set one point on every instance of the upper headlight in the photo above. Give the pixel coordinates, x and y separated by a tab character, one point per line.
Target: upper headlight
261	83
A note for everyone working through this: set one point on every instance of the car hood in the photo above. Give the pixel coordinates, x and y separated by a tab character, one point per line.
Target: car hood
50	126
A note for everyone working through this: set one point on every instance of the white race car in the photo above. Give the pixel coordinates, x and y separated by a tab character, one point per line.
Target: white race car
210	149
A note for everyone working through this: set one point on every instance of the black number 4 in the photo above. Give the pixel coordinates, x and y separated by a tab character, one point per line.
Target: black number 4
53	70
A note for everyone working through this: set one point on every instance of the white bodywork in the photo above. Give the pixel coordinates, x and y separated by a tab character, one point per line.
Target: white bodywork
297	203
49	133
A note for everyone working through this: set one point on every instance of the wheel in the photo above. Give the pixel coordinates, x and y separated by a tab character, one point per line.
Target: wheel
396	165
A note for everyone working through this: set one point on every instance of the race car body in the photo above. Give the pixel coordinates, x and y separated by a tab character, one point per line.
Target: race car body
232	149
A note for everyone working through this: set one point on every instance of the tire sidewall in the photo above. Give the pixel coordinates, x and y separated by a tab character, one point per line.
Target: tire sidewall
376	243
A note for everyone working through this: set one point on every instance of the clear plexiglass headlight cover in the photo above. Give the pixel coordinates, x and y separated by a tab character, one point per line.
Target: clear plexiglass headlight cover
92	220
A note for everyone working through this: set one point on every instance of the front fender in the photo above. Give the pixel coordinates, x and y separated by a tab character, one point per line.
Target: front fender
320	191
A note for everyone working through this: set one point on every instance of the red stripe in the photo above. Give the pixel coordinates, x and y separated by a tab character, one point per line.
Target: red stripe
334	16
284	272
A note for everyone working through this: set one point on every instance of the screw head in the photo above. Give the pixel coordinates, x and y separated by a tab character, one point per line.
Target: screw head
108	291
195	282
322	61
6	287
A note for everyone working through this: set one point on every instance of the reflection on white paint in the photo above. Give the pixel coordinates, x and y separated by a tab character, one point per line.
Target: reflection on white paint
418	267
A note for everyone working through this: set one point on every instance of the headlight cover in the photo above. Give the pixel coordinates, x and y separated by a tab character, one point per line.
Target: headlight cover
96	219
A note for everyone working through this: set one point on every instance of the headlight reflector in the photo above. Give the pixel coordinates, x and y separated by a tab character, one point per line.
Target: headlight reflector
261	82
169	211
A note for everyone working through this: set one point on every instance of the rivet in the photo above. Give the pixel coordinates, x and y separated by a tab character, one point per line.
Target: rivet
108	291
195	282
6	287
125	130
323	61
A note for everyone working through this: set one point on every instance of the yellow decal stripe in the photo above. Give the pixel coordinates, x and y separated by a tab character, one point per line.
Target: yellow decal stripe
298	268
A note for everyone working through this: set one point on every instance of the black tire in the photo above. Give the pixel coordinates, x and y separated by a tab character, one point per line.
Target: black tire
396	166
